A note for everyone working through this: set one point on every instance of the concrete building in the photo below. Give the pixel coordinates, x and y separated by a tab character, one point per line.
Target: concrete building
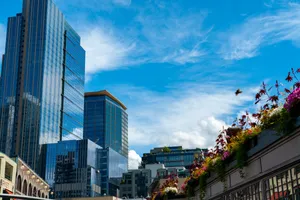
154	168
273	172
28	182
135	183
8	170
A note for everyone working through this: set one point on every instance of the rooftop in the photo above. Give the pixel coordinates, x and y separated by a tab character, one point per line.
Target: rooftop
105	93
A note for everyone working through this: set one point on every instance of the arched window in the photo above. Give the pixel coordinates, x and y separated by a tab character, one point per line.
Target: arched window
30	190
19	184
34	192
43	195
46	197
39	193
24	191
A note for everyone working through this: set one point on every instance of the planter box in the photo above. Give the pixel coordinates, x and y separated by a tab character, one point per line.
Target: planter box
264	139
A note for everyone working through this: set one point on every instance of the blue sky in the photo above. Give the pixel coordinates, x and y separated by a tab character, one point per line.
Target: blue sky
176	64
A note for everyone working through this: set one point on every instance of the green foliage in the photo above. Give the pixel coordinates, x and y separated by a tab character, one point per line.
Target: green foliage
202	185
286	124
220	169
241	156
166	149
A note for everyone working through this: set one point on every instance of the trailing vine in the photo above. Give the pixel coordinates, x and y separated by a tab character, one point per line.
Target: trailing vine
202	185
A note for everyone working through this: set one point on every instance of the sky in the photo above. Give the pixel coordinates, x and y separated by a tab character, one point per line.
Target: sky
176	64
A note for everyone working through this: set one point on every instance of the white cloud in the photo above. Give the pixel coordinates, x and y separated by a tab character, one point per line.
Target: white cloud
246	40
191	117
104	50
2	39
134	160
156	34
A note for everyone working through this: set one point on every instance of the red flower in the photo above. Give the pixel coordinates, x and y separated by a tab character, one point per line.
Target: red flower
297	85
243	116
298	70
289	77
233	125
266	106
257	96
273	98
277	84
252	124
262	92
287	90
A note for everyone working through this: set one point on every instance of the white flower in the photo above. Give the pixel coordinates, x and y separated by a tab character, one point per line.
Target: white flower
276	111
171	190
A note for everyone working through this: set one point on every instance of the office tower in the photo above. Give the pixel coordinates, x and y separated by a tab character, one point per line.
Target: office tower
106	121
42	82
72	168
173	156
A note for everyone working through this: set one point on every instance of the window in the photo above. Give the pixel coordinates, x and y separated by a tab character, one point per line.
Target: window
8	171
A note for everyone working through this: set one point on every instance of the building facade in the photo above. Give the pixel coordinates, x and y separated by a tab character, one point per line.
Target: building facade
42	79
172	156
106	121
112	165
72	168
135	184
28	182
8	170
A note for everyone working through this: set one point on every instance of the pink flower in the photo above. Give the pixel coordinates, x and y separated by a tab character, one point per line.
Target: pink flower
226	154
292	99
204	168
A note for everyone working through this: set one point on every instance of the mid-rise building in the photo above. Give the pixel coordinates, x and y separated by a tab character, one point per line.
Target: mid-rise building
8	170
42	82
72	168
174	156
106	121
28	182
135	183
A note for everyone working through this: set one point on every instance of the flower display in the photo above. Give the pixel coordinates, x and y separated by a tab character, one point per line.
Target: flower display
233	140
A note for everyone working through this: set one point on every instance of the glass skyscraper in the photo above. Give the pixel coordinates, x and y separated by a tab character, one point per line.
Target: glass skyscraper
106	121
42	81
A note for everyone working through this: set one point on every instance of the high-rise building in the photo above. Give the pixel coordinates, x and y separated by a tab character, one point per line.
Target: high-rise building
174	156
106	121
42	82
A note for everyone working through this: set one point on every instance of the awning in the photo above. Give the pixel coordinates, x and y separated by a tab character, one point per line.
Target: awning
8	191
277	195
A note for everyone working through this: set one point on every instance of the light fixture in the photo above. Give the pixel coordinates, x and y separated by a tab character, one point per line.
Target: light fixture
28	172
22	167
49	190
52	193
42	183
45	186
33	176
37	180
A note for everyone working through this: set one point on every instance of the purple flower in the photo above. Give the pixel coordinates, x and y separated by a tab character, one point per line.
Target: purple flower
226	154
293	98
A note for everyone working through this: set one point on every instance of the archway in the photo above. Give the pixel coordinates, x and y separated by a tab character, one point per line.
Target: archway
34	192
39	193
43	195
24	191
30	190
19	183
